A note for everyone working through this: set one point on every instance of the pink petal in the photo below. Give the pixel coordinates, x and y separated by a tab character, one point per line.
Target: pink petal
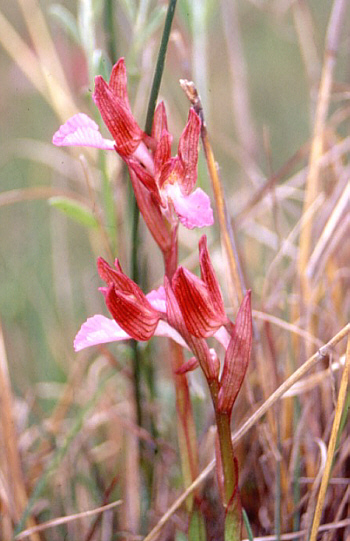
98	330
188	150
193	210
223	337
81	130
118	81
101	330
164	329
160	121
157	299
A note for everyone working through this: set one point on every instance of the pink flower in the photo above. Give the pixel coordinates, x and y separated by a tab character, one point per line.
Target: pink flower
135	314
170	180
174	178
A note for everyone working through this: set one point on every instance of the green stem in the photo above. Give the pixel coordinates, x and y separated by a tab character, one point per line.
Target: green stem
231	496
109	30
136	213
159	66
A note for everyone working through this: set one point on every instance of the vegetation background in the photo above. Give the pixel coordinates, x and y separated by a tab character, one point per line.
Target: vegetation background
257	65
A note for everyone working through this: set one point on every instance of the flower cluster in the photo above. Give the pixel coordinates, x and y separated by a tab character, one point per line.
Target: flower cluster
188	310
164	185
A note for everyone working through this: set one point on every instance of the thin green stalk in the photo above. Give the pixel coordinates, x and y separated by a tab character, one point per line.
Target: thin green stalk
159	66
136	213
247	525
108	16
231	496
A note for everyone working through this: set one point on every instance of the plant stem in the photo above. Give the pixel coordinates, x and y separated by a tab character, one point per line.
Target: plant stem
159	66
231	496
136	212
108	20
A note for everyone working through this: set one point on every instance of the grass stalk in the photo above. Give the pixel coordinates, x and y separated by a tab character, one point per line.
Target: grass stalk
336	21
159	66
331	445
10	461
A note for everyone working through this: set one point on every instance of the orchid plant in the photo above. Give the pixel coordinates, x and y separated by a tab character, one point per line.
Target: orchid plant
187	309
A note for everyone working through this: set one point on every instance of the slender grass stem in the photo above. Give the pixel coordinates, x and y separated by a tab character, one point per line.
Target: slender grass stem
108	21
160	66
136	213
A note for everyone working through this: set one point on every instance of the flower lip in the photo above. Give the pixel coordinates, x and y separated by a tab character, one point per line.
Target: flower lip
81	130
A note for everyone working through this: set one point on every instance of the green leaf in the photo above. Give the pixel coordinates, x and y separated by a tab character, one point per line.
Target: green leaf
75	210
196	530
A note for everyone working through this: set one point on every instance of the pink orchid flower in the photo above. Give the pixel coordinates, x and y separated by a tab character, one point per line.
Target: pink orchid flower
170	180
135	314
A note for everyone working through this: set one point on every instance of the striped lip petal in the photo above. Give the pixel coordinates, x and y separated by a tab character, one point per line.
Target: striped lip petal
119	280
81	130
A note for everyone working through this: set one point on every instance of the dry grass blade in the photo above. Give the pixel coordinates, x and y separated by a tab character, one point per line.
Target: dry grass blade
333	35
339	213
64	520
250	423
22	55
297	535
331	446
11	464
58	89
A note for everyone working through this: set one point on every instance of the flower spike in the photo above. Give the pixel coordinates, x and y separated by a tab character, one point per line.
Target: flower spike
170	180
